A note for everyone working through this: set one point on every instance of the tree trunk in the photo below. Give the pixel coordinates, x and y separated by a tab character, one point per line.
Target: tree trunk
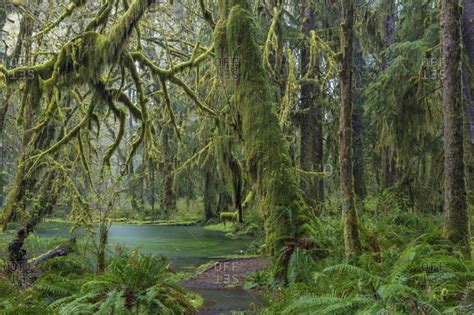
390	169
358	127
152	166
47	197
349	215
468	88
103	235
3	19
311	145
468	38
456	212
168	198
266	151
132	188
210	186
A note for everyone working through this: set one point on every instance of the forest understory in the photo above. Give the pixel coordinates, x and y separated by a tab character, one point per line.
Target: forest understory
236	157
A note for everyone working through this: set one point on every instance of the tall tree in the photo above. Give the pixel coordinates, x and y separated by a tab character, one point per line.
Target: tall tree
468	90
456	211
168	196
210	187
266	151
358	125
349	214
311	145
389	39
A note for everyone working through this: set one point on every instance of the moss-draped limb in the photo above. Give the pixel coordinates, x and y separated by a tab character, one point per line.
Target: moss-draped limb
111	46
272	43
169	108
68	137
48	112
166	73
109	94
102	16
138	85
88	51
148	130
85	163
193	96
170	74
43	70
67	13
113	147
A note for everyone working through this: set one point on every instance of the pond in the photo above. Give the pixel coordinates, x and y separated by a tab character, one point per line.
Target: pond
184	246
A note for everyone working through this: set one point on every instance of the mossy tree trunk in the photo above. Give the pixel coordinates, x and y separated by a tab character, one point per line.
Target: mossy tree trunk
168	196
390	167
349	214
358	126
210	188
311	144
135	183
456	211
152	179
266	151
468	91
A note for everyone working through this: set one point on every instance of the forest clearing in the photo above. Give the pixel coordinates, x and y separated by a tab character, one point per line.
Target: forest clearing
236	157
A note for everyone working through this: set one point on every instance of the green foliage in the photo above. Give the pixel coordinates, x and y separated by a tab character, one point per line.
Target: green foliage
400	272
132	284
390	200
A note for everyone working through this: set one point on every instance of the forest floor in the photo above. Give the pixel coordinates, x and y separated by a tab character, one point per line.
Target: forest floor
224	280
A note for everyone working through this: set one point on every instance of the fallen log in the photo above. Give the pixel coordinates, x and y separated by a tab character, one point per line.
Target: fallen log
28	271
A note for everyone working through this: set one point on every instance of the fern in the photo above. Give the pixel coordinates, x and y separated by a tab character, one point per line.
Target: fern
133	284
425	277
353	270
113	304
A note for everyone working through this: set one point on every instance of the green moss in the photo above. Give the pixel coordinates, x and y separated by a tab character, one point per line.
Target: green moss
266	152
220	227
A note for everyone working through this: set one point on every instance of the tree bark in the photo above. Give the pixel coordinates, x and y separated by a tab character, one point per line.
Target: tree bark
358	127
390	169
468	88
168	198
311	144
456	212
210	194
349	215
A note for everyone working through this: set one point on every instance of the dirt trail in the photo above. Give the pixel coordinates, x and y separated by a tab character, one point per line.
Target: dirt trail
221	286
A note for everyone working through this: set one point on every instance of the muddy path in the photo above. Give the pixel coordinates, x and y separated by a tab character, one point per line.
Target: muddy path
221	286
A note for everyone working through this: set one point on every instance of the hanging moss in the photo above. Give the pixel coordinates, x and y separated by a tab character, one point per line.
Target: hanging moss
272	49
291	92
266	152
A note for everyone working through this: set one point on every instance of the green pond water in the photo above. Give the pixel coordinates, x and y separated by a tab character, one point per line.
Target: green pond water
186	247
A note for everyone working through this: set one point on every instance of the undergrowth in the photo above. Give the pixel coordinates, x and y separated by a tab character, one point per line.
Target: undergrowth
407	267
132	284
